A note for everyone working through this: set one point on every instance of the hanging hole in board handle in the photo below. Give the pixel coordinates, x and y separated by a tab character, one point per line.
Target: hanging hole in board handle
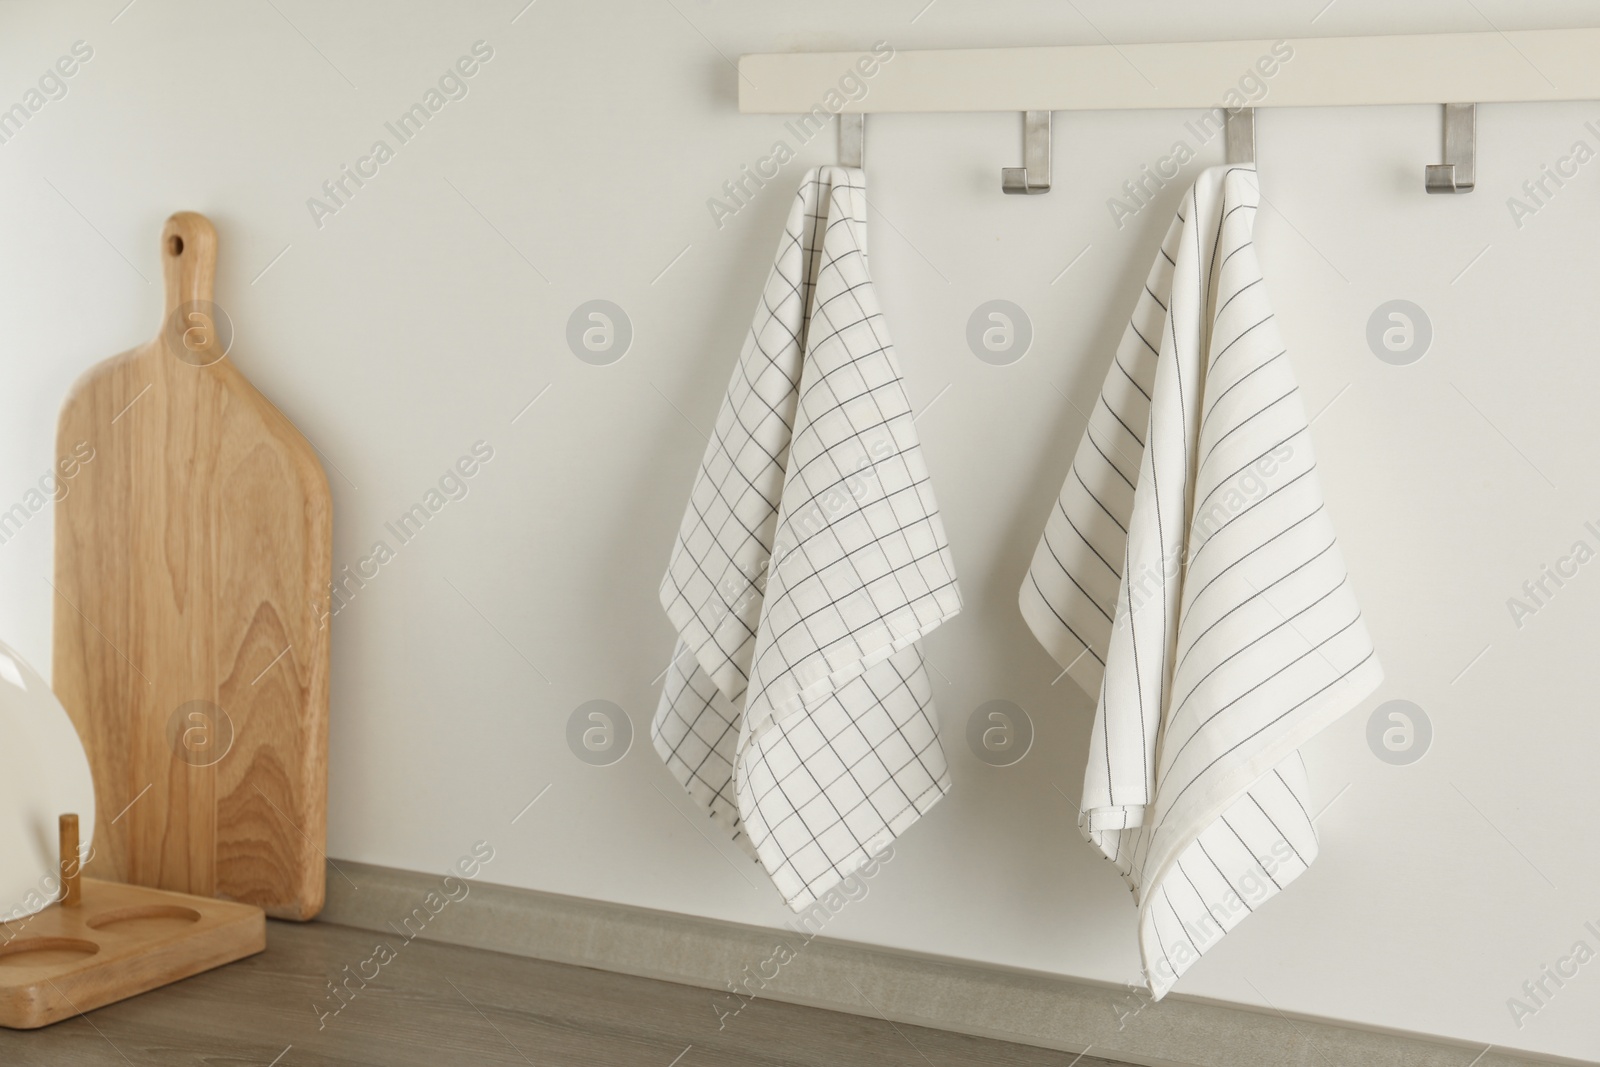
194	329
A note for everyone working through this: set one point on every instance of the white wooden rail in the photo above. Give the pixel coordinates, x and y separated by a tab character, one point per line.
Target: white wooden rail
1518	65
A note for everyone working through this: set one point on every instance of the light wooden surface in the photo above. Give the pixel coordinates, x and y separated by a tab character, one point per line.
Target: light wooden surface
70	866
436	1005
1429	68
191	556
120	941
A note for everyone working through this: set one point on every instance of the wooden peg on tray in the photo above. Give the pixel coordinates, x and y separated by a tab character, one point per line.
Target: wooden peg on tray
71	864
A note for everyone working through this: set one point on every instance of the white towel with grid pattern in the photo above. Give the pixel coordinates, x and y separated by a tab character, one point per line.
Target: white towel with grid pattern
811	558
1189	577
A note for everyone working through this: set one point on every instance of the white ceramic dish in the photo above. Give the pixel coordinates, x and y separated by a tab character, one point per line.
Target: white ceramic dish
43	773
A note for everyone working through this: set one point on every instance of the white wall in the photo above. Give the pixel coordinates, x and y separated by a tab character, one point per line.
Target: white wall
406	328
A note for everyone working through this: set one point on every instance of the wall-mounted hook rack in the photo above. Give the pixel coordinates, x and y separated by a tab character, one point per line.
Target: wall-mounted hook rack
1459	171
1034	174
852	139
1491	67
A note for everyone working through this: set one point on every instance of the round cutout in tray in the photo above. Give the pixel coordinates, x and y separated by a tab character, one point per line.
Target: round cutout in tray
45	951
144	919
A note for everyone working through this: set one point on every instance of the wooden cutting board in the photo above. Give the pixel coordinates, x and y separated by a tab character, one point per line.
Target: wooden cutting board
193	560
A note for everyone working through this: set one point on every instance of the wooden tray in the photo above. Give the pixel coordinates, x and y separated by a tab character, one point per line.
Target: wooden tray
121	940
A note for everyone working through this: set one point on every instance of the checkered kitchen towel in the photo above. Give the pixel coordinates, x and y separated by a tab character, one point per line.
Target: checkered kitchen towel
811	559
1189	576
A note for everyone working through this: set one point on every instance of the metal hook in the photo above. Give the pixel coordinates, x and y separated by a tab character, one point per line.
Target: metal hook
1459	171
1240	138
1034	175
852	139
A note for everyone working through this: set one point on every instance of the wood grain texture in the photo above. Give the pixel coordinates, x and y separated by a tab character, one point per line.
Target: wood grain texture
193	546
442	1004
70	865
120	941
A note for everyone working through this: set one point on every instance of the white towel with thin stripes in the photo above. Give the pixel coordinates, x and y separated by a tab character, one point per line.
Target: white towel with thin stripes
796	710
1189	577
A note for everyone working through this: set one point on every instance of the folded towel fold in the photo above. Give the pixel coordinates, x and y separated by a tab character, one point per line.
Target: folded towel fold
811	558
1189	578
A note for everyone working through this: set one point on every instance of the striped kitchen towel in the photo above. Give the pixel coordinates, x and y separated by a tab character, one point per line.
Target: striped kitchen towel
811	558
1189	578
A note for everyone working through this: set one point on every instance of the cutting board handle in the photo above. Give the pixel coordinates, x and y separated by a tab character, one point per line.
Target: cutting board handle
189	266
